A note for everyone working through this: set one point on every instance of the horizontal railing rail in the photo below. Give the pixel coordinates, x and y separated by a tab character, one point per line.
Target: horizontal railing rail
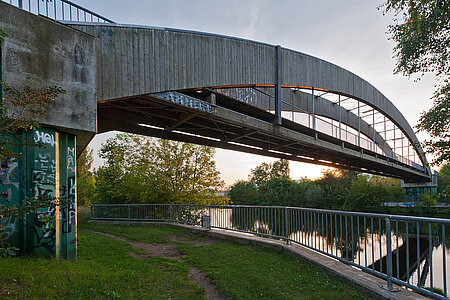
59	10
406	250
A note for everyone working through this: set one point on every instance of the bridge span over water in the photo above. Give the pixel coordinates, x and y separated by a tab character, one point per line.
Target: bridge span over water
206	89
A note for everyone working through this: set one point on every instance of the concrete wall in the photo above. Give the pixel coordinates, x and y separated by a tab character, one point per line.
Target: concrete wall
40	53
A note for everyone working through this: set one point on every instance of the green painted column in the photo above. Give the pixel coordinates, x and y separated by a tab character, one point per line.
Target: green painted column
48	174
41	176
10	195
67	191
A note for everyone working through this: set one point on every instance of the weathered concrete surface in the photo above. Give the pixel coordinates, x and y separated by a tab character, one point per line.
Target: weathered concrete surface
363	280
40	53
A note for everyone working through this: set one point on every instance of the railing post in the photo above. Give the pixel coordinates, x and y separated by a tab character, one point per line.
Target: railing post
286	224
210	218
129	212
170	213
92	212
389	254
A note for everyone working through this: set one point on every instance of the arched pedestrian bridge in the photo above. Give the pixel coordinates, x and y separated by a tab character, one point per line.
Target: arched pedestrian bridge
238	94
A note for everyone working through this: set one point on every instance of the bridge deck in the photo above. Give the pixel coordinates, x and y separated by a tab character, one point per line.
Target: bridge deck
234	125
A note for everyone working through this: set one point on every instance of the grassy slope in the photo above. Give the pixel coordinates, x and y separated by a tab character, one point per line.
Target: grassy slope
106	270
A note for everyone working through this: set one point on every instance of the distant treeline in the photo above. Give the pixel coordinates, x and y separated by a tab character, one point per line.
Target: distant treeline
270	184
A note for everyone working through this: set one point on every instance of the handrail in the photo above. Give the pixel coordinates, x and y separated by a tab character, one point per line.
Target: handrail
60	10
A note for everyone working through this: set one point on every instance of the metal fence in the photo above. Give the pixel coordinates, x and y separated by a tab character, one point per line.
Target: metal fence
409	251
59	10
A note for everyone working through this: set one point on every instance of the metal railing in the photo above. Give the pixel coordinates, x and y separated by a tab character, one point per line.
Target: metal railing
266	101
59	10
409	251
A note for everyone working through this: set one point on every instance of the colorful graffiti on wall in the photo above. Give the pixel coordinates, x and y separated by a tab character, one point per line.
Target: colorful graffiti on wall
47	174
9	195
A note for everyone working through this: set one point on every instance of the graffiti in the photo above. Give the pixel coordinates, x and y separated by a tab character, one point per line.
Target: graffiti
68	222
9	183
46	236
72	187
9	195
7	229
45	138
70	159
45	168
49	195
62	192
43	183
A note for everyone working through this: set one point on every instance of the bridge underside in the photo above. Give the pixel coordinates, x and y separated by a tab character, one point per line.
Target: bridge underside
232	124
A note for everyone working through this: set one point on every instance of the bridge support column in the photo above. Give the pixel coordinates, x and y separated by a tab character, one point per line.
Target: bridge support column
48	175
416	189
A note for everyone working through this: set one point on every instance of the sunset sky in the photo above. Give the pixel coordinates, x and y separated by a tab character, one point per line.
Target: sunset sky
350	33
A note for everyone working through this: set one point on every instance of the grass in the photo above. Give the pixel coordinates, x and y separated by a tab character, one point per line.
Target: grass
105	270
243	272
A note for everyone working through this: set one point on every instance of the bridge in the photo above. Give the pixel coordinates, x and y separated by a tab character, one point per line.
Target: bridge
201	88
236	94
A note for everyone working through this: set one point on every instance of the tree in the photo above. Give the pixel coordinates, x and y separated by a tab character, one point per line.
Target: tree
444	182
85	178
29	106
244	193
436	122
421	30
334	184
266	171
145	170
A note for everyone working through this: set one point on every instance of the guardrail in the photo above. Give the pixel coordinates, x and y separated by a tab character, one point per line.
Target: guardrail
409	251
59	10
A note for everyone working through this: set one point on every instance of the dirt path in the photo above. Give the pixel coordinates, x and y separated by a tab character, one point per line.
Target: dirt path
169	251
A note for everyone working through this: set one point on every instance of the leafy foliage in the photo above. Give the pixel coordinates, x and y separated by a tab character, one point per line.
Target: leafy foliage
428	200
337	189
421	31
444	182
244	192
3	35
85	178
264	172
144	170
27	105
436	122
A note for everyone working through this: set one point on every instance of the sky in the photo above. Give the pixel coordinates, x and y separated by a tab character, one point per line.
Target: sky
349	33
